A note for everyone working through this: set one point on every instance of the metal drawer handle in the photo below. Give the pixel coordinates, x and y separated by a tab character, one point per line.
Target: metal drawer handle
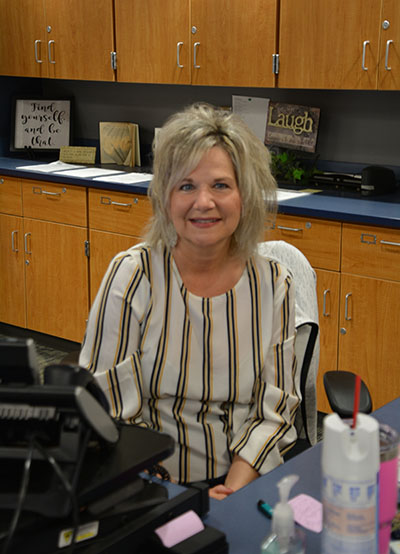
389	243
282	228
38	190
51	193
49	49
37	59
346	307
363	55
324	312
13	235
195	47
108	202
26	243
387	67
178	52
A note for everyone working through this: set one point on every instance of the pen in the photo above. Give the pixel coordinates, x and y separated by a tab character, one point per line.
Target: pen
265	508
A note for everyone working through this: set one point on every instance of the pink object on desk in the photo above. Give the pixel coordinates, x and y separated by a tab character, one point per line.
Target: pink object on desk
180	529
307	512
387	484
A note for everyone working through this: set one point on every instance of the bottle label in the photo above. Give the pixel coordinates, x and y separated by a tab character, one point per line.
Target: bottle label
349	509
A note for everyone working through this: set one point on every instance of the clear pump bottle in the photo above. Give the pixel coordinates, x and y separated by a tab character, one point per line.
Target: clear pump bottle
285	537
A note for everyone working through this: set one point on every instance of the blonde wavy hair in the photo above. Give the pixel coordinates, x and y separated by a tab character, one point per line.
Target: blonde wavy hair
179	147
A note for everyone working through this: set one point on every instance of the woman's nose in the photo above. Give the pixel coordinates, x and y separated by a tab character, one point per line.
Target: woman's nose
204	198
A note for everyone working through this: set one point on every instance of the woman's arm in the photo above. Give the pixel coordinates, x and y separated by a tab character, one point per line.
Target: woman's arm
112	336
240	474
269	428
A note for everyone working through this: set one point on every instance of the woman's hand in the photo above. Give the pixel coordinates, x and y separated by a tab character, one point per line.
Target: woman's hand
219	492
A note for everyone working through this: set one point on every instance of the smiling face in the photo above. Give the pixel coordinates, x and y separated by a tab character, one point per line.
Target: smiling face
205	206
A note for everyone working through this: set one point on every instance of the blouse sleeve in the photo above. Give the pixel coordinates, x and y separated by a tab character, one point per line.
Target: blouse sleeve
111	348
269	430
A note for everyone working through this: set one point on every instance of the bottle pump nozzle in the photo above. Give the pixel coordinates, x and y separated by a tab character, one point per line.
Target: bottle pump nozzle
283	517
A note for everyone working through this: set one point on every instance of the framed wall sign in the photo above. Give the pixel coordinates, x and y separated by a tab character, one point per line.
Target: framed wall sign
292	126
41	124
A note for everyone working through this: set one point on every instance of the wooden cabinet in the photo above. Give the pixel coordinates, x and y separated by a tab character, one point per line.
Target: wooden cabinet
371	251
389	59
320	242
358	289
44	279
335	44
23	38
370	295
328	289
318	239
153	41
116	222
203	42
56	270
12	283
369	334
56	279
57	38
233	42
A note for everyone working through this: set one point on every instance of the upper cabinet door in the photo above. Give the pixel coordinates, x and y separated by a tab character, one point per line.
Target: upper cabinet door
233	42
329	44
153	41
389	63
80	39
23	47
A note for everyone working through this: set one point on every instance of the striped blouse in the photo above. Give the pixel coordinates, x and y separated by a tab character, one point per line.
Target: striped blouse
217	374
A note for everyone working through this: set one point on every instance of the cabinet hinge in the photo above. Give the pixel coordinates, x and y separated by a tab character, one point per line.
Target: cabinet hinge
275	64
87	248
113	60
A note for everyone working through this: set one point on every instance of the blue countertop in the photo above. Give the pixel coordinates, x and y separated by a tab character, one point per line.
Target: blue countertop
381	210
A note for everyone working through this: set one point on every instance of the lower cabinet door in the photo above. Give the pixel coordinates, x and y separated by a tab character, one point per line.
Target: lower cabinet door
369	334
328	284
103	247
56	279
12	280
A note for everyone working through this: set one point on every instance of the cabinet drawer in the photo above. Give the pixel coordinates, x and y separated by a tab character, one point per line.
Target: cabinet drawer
371	251
319	240
10	196
118	212
55	202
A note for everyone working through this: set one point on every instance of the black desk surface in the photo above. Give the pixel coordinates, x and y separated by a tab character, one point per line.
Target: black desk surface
245	527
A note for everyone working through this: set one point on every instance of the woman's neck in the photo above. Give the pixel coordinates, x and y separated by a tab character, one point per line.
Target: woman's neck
210	273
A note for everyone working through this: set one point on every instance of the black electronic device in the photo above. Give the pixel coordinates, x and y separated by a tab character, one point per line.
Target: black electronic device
376	179
60	419
18	361
84	468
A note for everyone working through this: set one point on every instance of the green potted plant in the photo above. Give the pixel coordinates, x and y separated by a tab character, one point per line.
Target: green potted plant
288	167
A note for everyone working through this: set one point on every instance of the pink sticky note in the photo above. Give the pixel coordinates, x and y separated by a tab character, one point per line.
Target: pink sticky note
180	529
307	512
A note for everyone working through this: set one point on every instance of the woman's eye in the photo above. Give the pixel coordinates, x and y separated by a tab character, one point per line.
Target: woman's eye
220	185
186	187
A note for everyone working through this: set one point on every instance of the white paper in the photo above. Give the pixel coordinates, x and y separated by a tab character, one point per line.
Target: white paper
50	167
253	111
289	195
126	178
88	172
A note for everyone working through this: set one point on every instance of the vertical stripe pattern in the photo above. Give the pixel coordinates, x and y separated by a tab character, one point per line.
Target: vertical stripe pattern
214	373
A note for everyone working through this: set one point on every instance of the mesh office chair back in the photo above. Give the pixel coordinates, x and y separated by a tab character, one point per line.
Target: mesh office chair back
307	338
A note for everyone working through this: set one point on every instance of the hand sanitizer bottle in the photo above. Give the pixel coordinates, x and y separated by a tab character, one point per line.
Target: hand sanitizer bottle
285	537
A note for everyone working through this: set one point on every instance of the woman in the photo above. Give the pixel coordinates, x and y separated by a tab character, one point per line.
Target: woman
192	333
